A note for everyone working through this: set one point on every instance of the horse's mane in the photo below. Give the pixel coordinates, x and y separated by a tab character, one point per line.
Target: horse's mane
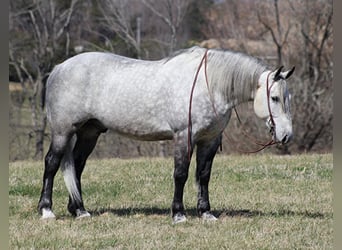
233	74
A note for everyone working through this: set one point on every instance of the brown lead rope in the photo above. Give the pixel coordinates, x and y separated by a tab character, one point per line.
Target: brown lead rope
190	104
262	144
268	89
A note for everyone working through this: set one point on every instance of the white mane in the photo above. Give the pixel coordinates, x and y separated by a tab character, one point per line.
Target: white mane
234	74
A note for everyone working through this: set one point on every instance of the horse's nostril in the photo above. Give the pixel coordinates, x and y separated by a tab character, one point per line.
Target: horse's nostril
285	139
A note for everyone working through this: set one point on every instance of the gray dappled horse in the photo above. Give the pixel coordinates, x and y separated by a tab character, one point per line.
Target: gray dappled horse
149	100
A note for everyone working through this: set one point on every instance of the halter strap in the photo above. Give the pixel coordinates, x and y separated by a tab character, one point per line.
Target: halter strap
268	93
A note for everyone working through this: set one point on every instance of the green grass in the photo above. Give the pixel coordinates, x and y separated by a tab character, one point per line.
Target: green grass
262	201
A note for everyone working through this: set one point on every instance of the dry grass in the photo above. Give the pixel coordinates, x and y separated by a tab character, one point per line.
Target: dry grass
262	201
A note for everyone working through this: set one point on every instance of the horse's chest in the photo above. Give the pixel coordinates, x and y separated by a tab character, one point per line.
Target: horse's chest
212	125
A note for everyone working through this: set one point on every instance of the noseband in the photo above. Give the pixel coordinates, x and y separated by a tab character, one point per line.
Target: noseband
270	122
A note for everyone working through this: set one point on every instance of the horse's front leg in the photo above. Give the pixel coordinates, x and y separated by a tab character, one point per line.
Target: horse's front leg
182	161
205	154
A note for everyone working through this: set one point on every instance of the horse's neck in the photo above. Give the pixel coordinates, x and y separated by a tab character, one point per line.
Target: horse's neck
237	91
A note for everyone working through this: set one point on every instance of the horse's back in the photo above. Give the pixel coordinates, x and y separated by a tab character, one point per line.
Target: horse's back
122	93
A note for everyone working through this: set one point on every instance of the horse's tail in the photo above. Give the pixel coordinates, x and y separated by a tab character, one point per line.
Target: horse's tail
69	172
43	91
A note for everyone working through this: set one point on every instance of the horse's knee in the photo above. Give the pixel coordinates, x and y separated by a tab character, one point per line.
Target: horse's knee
52	161
203	176
181	175
56	152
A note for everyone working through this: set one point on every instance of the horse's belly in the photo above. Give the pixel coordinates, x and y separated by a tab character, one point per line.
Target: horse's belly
141	130
146	136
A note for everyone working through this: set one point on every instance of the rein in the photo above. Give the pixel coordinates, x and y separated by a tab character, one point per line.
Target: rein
271	120
204	59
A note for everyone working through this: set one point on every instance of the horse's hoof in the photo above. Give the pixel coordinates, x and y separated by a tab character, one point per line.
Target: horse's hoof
179	218
207	216
82	214
47	214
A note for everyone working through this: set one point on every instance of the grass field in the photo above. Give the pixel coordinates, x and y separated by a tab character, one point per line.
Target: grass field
262	201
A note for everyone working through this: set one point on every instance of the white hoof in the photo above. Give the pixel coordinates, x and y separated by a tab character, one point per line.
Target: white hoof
81	214
179	218
47	214
207	216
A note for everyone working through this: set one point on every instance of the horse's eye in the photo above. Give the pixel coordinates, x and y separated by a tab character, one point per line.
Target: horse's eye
275	98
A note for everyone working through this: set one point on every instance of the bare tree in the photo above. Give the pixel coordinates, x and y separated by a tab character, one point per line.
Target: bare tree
118	16
278	36
171	13
314	93
43	27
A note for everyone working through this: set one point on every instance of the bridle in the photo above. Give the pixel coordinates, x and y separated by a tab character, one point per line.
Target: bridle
268	93
271	120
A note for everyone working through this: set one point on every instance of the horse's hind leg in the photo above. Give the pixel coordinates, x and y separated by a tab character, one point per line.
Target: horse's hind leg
52	162
204	157
87	137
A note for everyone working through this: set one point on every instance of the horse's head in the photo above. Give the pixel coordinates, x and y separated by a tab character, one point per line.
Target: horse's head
272	101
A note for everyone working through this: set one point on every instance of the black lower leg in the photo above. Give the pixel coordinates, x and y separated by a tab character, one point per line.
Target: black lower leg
180	177
205	155
203	204
52	161
74	205
181	161
86	140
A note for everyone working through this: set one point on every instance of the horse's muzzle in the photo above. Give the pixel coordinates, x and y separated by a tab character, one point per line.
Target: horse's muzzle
283	136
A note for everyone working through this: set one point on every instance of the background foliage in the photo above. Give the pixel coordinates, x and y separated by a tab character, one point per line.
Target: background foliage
43	33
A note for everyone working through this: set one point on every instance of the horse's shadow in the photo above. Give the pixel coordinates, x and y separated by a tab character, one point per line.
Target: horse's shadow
278	213
220	213
148	211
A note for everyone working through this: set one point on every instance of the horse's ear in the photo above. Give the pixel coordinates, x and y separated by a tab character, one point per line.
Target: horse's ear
288	73
277	75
